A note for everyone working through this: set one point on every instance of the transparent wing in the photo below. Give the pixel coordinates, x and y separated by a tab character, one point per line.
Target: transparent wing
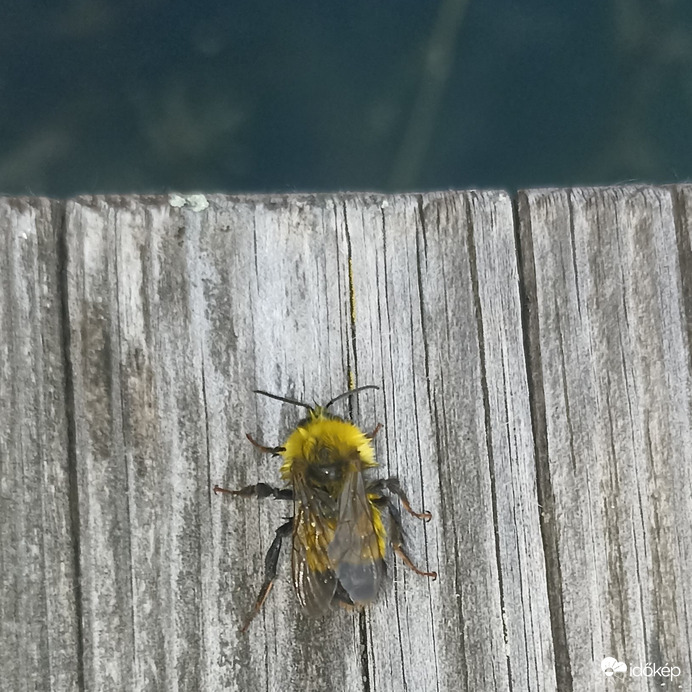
313	577
355	551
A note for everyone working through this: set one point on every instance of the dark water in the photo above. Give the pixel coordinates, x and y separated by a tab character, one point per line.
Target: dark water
252	95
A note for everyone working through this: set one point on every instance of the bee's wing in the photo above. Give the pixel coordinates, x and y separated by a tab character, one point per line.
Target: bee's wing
313	578
355	550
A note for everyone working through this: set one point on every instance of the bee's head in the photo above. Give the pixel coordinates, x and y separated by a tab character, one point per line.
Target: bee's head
326	471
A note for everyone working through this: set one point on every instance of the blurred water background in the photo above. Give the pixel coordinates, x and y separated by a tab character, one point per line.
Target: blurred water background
307	95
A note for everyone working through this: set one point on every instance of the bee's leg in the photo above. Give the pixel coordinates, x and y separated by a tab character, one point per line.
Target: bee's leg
274	451
260	490
371	436
396	538
270	562
393	485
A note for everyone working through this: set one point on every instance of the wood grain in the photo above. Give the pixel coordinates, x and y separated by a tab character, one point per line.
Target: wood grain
39	627
534	369
176	316
438	323
610	366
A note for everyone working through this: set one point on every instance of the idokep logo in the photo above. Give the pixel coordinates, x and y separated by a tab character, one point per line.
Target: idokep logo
611	666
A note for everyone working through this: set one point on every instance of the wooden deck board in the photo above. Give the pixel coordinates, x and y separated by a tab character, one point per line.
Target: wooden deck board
611	372
438	322
39	637
534	370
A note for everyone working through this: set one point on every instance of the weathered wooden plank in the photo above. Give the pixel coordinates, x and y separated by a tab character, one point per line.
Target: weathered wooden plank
438	323
610	363
39	643
175	315
290	287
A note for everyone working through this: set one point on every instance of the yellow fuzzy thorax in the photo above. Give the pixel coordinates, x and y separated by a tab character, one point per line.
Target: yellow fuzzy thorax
341	437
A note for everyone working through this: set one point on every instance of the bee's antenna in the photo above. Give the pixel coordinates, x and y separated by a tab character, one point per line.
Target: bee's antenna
285	399
351	392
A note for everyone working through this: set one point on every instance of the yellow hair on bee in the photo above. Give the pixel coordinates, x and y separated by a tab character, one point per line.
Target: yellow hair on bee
377	524
317	544
341	437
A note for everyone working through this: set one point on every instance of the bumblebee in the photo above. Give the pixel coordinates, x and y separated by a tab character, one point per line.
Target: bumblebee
337	527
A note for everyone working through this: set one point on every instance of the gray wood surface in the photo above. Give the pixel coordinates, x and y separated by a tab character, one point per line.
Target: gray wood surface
610	365
438	323
39	628
534	370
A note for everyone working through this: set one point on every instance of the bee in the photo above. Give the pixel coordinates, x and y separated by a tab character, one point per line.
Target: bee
337	527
